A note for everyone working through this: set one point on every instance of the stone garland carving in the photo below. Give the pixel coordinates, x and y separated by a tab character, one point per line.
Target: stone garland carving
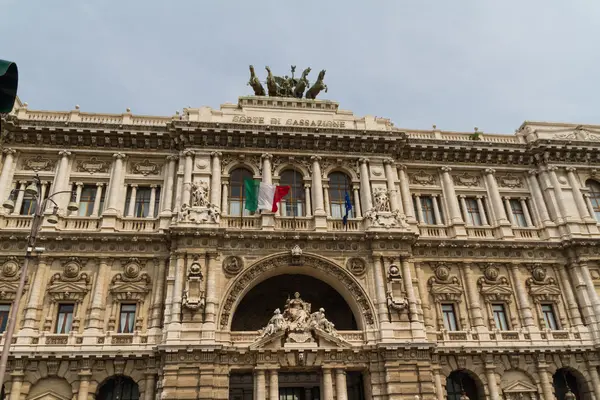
145	167
193	294
200	194
130	285
466	179
421	177
298	323
228	159
578	134
510	181
38	163
356	266
282	261
232	265
92	166
9	278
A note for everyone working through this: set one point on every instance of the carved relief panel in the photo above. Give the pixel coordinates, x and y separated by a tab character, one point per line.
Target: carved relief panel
446	288
193	294
9	278
545	290
422	178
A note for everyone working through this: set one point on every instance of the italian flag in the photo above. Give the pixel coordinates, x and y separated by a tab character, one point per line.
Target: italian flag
261	196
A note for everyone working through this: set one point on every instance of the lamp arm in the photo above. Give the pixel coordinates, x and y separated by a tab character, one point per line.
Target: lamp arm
55	193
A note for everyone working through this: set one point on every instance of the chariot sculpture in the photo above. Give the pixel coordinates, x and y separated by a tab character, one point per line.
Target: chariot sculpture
287	86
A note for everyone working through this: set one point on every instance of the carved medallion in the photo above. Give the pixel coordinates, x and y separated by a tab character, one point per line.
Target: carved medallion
38	163
146	168
356	266
394	272
442	272
10	268
422	178
72	268
232	265
491	272
92	166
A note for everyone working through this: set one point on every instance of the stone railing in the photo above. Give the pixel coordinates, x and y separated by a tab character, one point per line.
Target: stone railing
294	224
526	233
480	232
460	136
231	222
137	224
427	231
353	225
91	118
75	223
14	221
246	337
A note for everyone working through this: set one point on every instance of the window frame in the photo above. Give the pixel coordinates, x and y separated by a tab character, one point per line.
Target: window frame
4	316
504	314
295	201
454	314
472	212
240	200
518	213
66	323
337	192
130	317
554	314
593	188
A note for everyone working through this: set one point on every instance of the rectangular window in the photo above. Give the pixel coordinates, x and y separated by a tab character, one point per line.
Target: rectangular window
449	316
141	208
127	318
29	201
64	320
87	200
427	209
549	316
517	212
500	317
4	311
473	216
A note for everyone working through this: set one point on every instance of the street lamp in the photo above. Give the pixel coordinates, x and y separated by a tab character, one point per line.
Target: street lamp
36	224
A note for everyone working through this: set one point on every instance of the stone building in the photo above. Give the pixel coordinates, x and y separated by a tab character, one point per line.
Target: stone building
468	265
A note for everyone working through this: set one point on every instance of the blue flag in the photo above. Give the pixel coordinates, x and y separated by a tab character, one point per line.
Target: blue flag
348	205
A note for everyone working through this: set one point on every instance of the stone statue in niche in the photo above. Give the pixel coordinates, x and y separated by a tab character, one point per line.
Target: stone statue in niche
193	296
382	201
199	194
298	323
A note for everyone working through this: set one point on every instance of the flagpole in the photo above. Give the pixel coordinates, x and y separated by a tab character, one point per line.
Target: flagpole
292	198
243	207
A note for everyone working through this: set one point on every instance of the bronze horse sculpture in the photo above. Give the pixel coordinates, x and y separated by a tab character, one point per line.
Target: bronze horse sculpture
315	89
272	84
302	84
255	83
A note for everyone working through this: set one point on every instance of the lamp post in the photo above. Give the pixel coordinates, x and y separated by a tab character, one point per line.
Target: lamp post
36	224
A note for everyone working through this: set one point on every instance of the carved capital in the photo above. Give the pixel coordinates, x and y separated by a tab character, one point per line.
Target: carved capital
153	186
489	171
120	156
571	169
532	172
78	183
23	182
172	158
363	160
552	168
266	156
402	167
9	151
64	153
446	169
133	185
307	186
216	154
100	184
188	153
388	161
315	158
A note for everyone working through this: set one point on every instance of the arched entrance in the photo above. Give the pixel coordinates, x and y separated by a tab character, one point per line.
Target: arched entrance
256	308
311	265
567	379
118	388
461	381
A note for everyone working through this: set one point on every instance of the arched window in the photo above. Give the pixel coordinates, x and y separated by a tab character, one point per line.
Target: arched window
594	188
339	185
236	191
293	203
565	381
119	388
460	382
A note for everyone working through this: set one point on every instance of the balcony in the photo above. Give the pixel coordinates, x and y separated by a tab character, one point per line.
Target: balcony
433	231
243	223
137	224
75	223
526	233
294	224
480	232
245	338
337	224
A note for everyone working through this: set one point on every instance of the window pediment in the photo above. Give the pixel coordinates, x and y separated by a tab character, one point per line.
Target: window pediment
494	287
542	288
132	284
443	286
71	284
10	273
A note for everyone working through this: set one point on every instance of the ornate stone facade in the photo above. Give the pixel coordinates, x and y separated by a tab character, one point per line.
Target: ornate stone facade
468	265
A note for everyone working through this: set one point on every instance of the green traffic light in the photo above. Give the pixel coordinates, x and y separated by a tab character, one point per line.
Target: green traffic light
9	80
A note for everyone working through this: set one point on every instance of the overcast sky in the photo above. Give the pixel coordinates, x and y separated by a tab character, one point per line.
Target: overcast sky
457	64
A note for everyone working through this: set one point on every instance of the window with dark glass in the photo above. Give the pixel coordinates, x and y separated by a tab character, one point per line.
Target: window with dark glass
143	196
427	210
518	213
473	216
88	199
550	317
594	188
339	185
236	196
500	317
29	201
119	388
449	317
64	320
4	311
293	203
127	318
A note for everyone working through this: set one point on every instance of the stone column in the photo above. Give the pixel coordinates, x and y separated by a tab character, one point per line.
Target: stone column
481	209
591	289
273	385
391	186
159	288
538	197
326	199
97	200
595	379
588	202
579	200
178	289
43	189
420	218
259	384
463	206
152	201
98	303
528	219
490	373
5	175
215	181
474	305
33	305
438	384
509	214
365	185
168	189
187	177
436	209
150	386
62	180
115	185
224	198
267	173
317	186
380	290
572	306
78	190
455	217
340	384
327	384
84	385
523	305
405	192
211	288
17	383
410	291
422	282
558	194
582	294
132	196
20	196
545	379
307	199
357	210
495	199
